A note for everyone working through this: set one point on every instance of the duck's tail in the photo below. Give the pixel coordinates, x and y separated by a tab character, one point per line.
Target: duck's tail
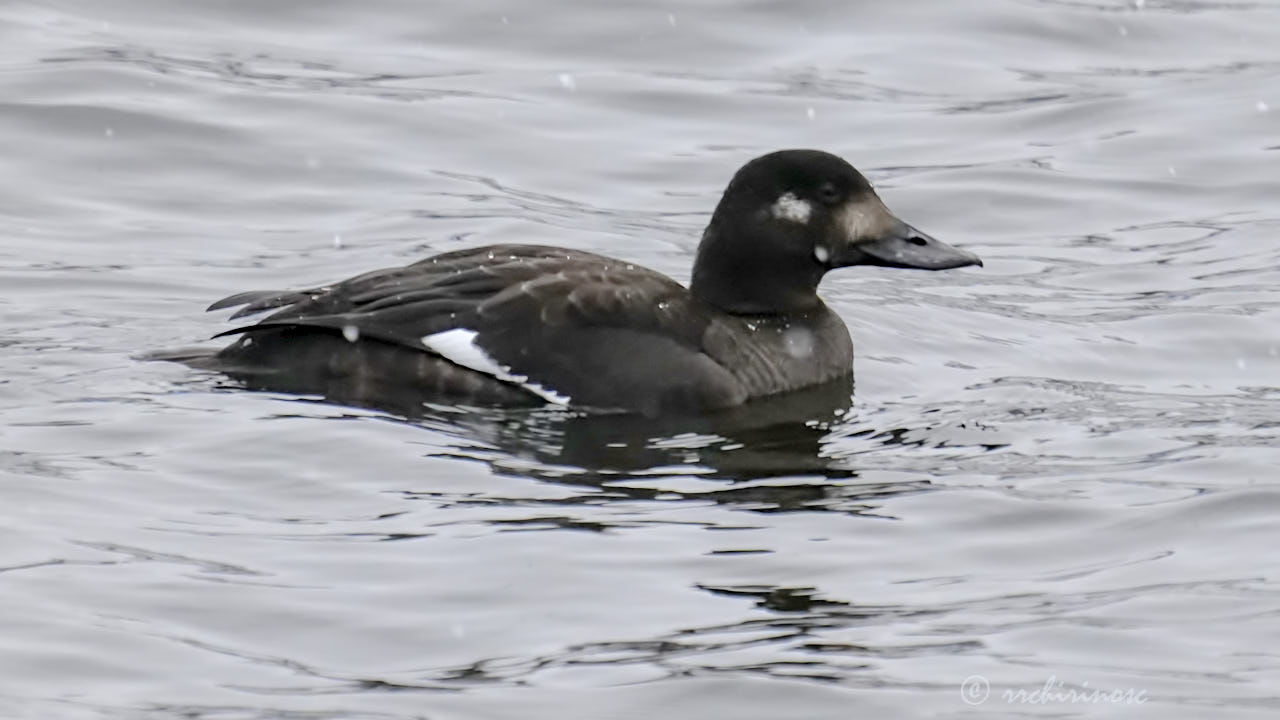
202	358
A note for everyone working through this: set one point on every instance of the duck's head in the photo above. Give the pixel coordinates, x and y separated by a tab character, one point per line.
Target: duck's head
790	216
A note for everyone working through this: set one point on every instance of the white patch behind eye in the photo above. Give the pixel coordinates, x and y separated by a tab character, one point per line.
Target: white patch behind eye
821	254
792	209
459	346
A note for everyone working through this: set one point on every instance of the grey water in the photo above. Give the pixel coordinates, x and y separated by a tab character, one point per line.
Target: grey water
1055	493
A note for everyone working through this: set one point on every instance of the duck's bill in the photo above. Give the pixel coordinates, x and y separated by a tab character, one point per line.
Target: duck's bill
875	236
905	247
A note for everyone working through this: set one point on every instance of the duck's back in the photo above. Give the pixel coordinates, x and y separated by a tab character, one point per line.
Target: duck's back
504	324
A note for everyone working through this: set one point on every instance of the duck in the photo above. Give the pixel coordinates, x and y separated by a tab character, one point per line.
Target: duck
532	325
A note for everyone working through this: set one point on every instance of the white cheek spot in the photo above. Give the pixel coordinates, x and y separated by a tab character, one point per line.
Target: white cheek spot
792	209
459	347
351	333
798	342
821	254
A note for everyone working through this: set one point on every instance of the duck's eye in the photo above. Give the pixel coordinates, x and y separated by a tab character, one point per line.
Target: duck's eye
828	193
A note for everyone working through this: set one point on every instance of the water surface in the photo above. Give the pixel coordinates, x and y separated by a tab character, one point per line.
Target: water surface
1059	468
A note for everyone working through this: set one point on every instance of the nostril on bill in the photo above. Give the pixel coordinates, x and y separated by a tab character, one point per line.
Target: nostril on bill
917	241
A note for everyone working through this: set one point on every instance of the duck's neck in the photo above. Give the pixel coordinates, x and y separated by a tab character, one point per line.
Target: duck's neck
754	282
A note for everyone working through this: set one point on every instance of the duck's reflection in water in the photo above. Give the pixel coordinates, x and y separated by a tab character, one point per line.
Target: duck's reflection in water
780	439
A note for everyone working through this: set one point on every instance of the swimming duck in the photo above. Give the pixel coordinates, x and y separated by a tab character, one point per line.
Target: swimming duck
531	324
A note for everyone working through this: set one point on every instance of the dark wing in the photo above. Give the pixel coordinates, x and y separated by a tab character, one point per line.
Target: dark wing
597	330
608	337
405	303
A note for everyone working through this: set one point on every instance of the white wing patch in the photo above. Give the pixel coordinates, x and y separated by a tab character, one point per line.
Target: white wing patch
791	208
459	346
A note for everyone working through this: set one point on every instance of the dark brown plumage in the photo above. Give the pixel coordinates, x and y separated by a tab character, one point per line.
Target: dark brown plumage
521	324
